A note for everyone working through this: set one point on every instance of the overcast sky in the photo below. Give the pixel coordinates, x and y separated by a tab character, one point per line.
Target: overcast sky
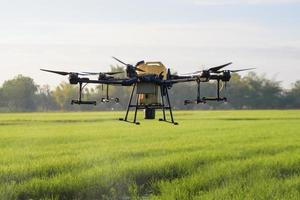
186	35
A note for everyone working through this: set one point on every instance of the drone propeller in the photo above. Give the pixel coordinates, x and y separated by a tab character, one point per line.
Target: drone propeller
62	72
241	70
212	69
106	73
120	61
216	69
129	65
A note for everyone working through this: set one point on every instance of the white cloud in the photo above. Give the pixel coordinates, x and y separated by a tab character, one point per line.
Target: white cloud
242	2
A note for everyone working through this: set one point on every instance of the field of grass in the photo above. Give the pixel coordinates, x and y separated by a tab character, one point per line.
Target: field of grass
210	155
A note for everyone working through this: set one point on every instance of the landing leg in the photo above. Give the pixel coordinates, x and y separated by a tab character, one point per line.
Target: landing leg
80	91
198	92
170	107
218	89
129	104
107	97
199	100
163	104
136	108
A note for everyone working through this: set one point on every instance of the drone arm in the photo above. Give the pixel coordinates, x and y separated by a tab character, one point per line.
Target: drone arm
183	80
121	82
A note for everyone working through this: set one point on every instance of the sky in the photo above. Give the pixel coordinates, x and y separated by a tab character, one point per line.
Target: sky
186	35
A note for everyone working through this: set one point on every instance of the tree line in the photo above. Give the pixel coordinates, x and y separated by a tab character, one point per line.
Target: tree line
253	91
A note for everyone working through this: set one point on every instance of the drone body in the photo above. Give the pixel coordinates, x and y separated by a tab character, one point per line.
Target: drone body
150	82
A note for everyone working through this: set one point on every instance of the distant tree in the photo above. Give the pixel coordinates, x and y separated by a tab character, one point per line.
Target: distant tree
2	102
240	91
262	92
63	95
45	100
19	94
1	97
292	99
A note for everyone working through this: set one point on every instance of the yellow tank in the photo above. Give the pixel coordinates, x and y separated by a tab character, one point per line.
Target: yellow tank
152	68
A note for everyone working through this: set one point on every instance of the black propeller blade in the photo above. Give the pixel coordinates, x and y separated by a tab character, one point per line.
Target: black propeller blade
106	73
216	69
61	72
140	63
212	70
120	61
192	73
129	65
240	70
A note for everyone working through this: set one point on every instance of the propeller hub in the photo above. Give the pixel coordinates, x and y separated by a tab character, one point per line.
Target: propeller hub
102	76
73	78
205	75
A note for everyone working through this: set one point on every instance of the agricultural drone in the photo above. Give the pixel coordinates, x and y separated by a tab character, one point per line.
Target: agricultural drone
150	82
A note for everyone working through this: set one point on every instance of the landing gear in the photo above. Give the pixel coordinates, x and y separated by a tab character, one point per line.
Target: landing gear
164	93
129	106
149	109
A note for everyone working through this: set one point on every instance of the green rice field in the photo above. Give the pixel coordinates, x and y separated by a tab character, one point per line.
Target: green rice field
209	155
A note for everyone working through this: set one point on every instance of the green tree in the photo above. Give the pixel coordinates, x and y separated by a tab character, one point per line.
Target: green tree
45	99
63	95
237	91
19	94
262	92
292	99
2	102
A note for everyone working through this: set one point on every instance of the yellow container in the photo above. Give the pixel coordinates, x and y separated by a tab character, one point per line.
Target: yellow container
152	68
